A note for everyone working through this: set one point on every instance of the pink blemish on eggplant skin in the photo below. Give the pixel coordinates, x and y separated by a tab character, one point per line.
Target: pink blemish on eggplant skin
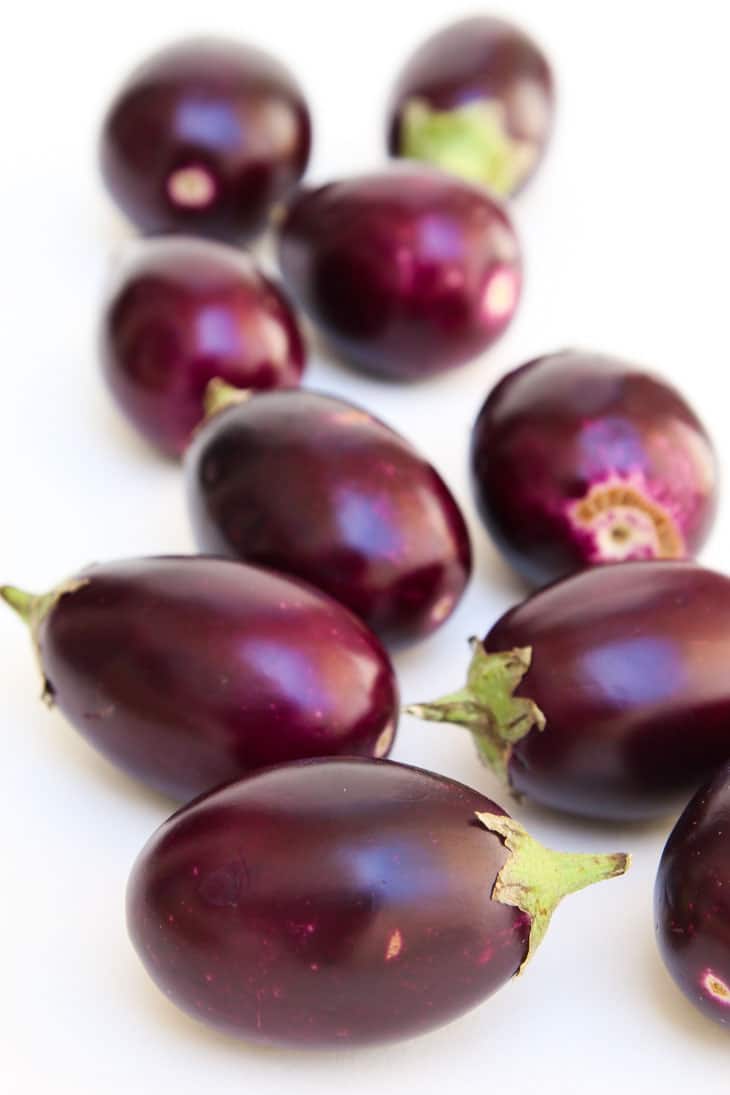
486	954
620	521
191	187
716	988
395	945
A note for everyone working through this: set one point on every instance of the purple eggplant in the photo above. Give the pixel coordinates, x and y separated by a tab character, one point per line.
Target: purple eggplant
186	672
343	902
204	138
318	488
475	99
580	459
182	312
607	694
692	900
408	273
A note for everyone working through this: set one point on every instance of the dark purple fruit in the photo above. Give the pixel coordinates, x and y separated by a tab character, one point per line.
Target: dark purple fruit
336	903
692	900
182	312
407	273
186	672
318	488
475	99
581	459
606	695
204	137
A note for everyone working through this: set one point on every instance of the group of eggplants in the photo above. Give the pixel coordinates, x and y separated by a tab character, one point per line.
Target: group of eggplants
314	893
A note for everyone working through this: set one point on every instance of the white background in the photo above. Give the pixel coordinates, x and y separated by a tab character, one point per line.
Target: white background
626	235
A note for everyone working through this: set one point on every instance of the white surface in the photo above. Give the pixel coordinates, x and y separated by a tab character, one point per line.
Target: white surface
626	239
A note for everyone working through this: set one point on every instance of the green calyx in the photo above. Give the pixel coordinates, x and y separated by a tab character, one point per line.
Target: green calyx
471	141
487	705
219	395
33	610
535	878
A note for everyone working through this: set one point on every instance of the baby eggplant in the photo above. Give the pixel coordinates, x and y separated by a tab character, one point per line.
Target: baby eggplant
580	459
343	902
318	488
204	138
183	311
606	695
475	99
692	900
186	672
407	273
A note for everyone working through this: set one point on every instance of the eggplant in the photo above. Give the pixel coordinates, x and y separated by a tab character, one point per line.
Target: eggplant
475	99
181	312
343	902
407	273
204	137
692	900
579	459
321	489
607	694
186	671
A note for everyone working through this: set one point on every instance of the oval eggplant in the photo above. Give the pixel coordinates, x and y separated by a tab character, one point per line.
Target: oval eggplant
692	900
186	672
318	488
182	312
408	900
607	694
407	273
580	459
475	99
205	137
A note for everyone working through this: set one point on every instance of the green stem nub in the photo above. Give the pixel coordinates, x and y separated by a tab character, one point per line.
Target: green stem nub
33	610
487	705
34	607
21	602
219	395
472	141
535	879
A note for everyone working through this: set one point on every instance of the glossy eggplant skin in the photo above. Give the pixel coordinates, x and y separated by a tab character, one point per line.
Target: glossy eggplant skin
318	488
692	900
204	138
182	312
379	926
580	459
476	98
186	671
629	667
408	273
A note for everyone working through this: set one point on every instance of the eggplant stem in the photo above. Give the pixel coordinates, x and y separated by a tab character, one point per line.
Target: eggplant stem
21	602
535	879
488	707
472	140
219	395
33	610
